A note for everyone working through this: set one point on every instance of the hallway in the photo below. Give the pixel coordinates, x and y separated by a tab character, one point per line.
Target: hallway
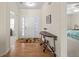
27	22
33	49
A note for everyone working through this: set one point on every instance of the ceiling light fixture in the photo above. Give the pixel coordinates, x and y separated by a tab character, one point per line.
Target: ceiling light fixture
76	10
30	4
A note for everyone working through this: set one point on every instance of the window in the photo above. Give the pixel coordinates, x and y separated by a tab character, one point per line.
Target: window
22	26
12	23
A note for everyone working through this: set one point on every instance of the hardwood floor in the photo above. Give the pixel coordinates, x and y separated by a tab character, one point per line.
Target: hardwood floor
32	49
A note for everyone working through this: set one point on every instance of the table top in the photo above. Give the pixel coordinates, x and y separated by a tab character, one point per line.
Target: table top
47	34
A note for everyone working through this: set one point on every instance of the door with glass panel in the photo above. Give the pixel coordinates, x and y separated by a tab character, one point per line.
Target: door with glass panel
12	29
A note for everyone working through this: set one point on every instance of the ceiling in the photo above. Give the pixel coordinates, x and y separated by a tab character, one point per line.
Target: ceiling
38	5
72	7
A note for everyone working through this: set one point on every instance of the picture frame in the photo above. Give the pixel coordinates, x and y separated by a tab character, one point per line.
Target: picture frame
48	19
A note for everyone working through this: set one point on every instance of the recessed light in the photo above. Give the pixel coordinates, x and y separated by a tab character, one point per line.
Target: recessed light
29	4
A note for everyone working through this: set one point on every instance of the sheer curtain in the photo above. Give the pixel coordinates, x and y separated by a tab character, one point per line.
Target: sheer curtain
30	27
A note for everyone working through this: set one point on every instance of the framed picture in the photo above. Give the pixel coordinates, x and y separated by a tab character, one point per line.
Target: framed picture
48	19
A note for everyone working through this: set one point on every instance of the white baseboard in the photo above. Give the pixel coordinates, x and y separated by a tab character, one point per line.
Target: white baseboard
4	53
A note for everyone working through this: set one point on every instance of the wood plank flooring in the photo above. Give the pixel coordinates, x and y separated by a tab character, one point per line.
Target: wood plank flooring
23	49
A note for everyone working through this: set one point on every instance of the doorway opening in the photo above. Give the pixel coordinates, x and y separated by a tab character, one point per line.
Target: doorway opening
12	29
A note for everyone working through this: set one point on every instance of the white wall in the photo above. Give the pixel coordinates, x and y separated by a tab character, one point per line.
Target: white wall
58	25
69	23
4	29
74	19
27	13
5	26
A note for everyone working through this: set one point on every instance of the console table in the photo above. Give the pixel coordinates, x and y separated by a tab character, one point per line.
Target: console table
46	44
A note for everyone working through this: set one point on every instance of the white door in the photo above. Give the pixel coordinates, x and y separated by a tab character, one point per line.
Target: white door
12	27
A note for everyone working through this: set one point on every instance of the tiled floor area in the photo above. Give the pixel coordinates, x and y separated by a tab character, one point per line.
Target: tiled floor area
32	49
